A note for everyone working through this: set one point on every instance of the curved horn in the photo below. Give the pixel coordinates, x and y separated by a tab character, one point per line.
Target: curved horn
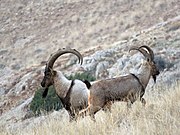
146	55
60	52
151	53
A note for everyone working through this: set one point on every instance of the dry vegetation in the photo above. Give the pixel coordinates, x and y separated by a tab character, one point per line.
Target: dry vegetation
161	116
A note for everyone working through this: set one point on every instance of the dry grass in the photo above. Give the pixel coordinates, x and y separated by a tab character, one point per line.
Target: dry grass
160	116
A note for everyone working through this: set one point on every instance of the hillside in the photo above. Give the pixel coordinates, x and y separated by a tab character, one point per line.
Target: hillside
35	29
102	31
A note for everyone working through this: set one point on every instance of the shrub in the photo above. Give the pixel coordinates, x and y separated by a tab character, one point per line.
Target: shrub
82	76
52	101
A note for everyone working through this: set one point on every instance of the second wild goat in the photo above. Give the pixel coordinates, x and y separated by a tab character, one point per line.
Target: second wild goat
123	88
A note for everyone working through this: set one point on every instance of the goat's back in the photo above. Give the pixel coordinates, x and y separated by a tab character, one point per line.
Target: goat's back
115	88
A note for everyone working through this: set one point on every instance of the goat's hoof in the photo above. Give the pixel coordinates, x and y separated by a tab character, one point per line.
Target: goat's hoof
143	101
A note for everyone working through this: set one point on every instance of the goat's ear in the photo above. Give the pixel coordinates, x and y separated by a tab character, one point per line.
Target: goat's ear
88	84
52	71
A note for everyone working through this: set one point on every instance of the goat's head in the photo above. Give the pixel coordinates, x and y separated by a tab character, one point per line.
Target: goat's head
48	77
149	55
49	72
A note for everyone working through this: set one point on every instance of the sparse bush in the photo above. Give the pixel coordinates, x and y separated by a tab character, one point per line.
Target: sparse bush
82	76
52	101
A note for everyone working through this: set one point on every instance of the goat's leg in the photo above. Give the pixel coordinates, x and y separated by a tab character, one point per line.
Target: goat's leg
95	104
76	112
93	110
143	101
107	106
83	112
130	100
71	115
129	104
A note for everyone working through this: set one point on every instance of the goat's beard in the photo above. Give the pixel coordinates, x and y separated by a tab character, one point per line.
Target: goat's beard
45	92
154	78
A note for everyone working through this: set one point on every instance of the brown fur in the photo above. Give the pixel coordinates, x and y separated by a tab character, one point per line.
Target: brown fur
124	88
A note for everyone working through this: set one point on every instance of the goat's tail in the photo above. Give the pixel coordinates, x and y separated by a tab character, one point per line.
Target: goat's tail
88	84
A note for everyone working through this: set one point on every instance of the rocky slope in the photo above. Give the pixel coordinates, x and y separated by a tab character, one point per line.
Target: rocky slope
103	31
31	30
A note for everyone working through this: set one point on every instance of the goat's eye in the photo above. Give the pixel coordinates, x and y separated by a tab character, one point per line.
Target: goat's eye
47	73
47	77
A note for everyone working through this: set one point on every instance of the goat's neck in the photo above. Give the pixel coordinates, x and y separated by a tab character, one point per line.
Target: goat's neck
144	75
61	84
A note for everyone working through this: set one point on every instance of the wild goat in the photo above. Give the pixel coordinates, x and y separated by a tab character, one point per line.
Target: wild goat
123	88
73	93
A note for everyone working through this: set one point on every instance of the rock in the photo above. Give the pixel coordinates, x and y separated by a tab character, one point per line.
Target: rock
29	114
2	52
15	66
101	70
2	91
20	43
15	114
37	51
173	26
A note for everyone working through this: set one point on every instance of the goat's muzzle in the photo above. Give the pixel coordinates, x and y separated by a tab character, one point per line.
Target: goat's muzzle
43	83
157	72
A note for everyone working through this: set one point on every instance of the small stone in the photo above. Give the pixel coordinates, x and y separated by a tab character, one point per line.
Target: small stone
15	66
2	66
2	52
